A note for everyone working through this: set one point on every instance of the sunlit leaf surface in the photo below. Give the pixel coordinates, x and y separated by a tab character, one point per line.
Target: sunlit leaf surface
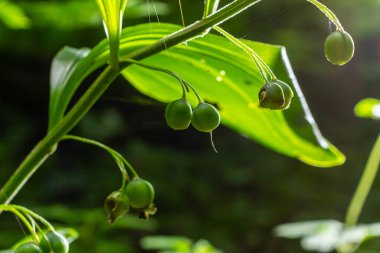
224	75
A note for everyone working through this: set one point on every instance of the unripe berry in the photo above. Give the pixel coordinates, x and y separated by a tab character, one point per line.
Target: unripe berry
205	117
178	114
339	47
54	242
29	247
140	193
275	95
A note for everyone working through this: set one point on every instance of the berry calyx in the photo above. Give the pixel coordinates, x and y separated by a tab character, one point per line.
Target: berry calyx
275	95
29	247
54	242
178	114
339	47
116	205
140	193
205	117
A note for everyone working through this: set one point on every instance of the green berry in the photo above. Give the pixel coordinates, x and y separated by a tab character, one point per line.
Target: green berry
205	117
178	114
29	247
140	193
116	205
275	95
339	47
54	242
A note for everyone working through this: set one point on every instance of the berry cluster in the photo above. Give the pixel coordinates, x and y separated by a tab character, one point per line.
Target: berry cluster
138	194
50	242
179	115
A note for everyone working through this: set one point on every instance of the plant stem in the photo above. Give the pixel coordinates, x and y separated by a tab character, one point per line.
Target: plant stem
328	13
364	186
47	145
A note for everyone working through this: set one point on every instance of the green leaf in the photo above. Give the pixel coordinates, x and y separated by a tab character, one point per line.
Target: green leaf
13	16
223	74
64	63
112	14
368	108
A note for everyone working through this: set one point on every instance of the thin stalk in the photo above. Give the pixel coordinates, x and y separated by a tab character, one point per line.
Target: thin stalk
116	156
210	7
35	216
169	72
364	186
328	13
200	100
24	220
47	145
260	64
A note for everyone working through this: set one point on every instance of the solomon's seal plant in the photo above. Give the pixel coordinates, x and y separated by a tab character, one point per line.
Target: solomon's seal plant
228	71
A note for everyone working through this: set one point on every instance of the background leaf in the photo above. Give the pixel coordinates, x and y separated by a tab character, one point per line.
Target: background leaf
13	16
368	108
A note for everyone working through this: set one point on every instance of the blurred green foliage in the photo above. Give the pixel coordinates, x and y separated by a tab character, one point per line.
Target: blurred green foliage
233	199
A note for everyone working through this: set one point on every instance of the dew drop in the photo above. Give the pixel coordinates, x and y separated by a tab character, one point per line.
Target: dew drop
219	78
222	73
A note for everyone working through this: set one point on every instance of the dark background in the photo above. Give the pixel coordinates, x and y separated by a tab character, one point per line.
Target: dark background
235	198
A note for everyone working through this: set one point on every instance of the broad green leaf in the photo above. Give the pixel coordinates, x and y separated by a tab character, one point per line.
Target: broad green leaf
112	14
13	16
223	74
64	63
368	108
226	76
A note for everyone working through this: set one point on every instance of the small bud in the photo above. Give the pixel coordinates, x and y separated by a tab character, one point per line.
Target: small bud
275	95
116	205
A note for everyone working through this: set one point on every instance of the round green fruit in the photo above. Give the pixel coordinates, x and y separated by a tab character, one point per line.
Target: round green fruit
205	117
178	114
339	47
29	247
54	242
275	95
140	193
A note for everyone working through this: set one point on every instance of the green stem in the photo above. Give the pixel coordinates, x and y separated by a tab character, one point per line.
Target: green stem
12	209
47	145
364	186
35	216
210	7
120	160
260	64
169	72
329	14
